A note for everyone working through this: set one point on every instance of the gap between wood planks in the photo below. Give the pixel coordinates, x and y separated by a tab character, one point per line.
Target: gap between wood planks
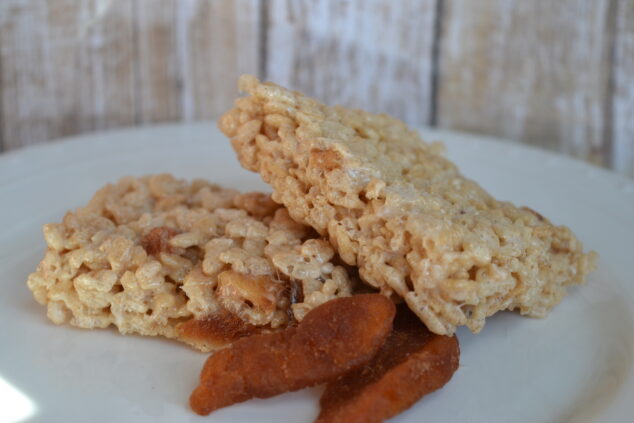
608	129
1	110
435	62
136	69
264	32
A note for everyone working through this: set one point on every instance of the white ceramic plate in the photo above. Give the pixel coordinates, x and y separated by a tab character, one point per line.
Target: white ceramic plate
574	366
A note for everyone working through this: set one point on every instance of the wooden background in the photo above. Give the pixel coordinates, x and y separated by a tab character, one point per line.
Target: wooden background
557	74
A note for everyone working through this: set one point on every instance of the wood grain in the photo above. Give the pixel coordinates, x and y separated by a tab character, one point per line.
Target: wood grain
623	99
554	74
371	54
73	66
157	74
534	71
67	67
216	41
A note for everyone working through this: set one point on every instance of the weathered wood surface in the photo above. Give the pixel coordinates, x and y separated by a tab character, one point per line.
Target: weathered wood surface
189	53
555	74
534	71
159	75
70	66
67	68
374	54
623	100
216	42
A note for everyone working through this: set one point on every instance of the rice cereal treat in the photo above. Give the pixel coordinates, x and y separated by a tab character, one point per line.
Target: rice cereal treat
395	207
191	261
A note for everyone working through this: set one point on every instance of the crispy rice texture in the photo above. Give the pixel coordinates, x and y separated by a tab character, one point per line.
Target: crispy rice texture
151	254
395	207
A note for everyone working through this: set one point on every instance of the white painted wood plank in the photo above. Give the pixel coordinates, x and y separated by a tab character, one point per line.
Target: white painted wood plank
374	54
216	41
533	71
67	67
157	74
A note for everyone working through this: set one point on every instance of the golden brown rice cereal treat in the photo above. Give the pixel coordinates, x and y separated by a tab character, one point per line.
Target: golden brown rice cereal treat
149	255
398	209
